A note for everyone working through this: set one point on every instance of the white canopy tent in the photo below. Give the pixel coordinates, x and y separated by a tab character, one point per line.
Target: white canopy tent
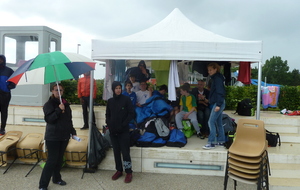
178	38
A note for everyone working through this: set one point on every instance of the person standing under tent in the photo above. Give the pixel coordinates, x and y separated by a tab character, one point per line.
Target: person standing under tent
119	113
83	91
217	105
59	128
5	95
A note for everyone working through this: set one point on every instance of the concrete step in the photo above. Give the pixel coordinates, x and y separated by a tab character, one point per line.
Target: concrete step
285	170
292	129
289	138
284	183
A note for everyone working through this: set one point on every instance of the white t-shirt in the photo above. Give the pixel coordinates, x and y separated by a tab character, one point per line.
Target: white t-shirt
135	87
142	96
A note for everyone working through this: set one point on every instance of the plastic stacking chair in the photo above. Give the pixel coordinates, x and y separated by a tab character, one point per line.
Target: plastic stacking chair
7	145
76	152
247	158
28	150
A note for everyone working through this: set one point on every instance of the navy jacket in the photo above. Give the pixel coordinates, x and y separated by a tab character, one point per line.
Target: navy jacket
217	90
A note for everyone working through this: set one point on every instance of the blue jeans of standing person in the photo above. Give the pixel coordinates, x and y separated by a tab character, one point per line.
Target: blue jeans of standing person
216	126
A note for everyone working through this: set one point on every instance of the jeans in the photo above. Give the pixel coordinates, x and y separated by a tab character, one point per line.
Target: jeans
216	126
203	116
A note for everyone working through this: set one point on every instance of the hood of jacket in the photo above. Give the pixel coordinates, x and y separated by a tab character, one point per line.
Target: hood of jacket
4	61
113	87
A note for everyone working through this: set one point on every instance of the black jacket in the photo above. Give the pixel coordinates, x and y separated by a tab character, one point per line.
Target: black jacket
119	112
59	125
195	92
5	73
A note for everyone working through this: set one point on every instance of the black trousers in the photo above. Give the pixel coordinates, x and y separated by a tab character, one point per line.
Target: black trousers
121	145
85	113
54	162
4	102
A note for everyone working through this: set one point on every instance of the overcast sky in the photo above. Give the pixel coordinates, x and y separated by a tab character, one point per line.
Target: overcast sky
274	22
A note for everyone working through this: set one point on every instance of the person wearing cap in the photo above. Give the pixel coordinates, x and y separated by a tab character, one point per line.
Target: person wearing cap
5	95
119	113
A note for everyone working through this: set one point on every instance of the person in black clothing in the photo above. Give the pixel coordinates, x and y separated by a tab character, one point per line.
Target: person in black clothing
5	95
119	113
140	72
203	112
59	128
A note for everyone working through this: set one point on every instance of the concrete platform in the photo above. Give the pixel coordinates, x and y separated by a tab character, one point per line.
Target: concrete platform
190	160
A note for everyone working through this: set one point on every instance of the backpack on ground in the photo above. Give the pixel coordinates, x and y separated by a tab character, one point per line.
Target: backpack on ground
177	139
273	138
228	123
161	129
245	108
230	135
188	128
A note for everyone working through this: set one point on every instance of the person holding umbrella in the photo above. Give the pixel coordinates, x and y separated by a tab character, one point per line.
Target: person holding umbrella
5	95
119	113
59	128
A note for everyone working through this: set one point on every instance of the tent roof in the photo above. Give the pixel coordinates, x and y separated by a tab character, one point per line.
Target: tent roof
177	38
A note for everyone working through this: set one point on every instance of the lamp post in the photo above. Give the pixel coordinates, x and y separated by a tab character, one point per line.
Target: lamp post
78	48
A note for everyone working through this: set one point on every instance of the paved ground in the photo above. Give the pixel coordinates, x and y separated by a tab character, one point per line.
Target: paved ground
15	179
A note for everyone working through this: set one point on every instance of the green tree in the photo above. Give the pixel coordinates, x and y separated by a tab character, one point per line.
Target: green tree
276	71
254	73
293	78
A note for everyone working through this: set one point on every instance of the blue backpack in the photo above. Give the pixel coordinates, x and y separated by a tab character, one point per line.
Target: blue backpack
177	139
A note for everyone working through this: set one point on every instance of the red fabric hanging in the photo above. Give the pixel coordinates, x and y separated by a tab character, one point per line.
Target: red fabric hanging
244	73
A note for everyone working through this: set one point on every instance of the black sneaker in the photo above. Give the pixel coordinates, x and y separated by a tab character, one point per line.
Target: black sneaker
2	132
200	136
61	182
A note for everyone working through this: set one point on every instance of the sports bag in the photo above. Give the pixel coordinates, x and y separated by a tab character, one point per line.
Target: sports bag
159	142
228	123
161	129
146	139
177	139
273	138
188	128
245	108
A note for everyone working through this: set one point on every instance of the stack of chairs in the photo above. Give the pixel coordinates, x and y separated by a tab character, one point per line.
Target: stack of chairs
8	145
247	158
28	150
